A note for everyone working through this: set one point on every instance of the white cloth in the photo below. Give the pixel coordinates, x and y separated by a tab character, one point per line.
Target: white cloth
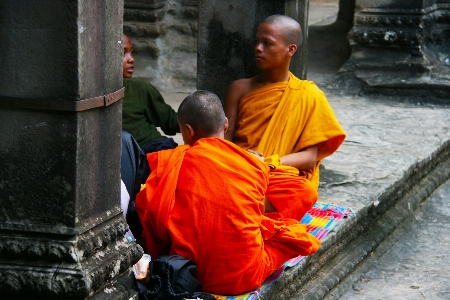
124	198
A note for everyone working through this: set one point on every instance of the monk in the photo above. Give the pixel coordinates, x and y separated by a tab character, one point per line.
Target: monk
285	121
205	201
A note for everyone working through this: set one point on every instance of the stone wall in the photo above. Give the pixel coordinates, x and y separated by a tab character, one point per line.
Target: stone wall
164	37
401	47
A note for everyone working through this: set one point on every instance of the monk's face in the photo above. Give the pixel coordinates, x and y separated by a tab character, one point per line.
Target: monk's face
128	60
271	50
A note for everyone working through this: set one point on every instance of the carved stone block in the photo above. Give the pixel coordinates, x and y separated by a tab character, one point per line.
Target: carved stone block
400	47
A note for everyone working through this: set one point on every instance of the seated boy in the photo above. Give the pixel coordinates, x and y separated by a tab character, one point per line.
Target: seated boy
288	121
144	109
205	201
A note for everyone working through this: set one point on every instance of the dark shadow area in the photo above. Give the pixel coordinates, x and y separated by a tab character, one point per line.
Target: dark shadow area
328	46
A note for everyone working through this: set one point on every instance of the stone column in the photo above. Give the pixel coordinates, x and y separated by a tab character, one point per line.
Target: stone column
226	39
61	226
402	46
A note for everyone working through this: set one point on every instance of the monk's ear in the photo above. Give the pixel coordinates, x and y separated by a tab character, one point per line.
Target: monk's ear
190	131
225	127
292	49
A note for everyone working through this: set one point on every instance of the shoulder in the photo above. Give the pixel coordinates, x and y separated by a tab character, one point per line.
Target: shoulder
242	153
305	85
241	87
144	88
307	89
135	83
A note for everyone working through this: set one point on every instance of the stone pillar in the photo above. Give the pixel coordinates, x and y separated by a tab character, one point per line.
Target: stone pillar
402	46
61	226
226	39
164	37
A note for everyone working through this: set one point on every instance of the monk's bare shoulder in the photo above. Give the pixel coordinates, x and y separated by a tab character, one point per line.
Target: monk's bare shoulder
237	89
241	87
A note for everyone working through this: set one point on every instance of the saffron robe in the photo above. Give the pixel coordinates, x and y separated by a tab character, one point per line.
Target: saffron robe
284	118
205	203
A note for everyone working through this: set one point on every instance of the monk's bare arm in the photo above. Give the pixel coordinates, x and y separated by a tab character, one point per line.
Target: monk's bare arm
303	160
237	89
231	108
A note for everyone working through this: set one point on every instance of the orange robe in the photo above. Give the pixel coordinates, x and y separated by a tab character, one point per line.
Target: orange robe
284	118
205	203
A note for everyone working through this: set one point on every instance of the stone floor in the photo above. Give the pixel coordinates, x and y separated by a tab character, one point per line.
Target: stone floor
414	261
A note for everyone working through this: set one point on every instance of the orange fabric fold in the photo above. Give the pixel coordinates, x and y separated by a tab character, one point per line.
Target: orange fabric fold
288	235
213	194
165	166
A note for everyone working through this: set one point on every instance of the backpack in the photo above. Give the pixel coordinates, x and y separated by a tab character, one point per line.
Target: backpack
172	278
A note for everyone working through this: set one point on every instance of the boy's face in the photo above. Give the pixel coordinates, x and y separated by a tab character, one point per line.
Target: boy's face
128	60
271	49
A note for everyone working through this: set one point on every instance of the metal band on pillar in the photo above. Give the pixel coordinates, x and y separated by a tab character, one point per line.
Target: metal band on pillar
64	105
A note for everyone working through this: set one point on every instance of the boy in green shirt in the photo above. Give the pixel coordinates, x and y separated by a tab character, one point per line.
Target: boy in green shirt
144	109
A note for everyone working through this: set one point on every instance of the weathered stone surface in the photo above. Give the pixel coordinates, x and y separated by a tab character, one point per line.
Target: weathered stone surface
61	226
412	262
401	47
328	44
164	37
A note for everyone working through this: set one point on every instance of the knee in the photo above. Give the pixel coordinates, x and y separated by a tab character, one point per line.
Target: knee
311	192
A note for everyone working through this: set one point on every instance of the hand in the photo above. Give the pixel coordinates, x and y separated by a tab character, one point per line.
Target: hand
258	155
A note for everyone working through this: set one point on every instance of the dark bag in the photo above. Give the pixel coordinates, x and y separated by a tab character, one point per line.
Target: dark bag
172	278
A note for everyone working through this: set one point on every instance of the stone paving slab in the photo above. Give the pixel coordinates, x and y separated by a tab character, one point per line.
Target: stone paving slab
413	262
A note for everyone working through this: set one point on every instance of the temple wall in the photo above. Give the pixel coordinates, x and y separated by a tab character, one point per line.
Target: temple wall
164	37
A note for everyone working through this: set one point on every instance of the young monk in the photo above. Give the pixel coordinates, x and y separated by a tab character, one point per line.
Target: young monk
286	121
144	109
205	201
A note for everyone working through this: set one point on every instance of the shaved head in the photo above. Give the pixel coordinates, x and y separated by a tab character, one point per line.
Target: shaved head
203	111
291	29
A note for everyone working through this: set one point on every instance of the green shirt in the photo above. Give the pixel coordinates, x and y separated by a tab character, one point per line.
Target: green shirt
143	110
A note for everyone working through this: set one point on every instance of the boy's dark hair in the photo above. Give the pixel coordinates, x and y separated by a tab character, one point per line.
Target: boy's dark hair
292	32
203	111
